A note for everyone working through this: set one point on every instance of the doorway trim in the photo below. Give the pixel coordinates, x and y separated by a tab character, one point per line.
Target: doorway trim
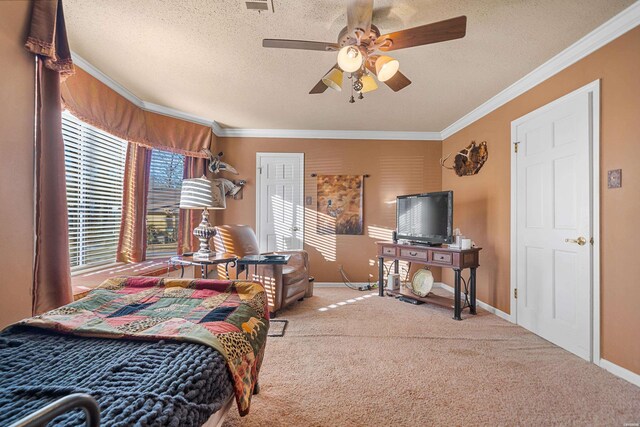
300	157
593	89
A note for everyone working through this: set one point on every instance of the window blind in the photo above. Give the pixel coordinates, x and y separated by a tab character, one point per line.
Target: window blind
94	165
163	203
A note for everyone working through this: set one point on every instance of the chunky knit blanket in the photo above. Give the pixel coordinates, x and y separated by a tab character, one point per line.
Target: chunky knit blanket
136	383
228	316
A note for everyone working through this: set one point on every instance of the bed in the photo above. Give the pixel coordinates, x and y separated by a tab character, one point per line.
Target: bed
151	351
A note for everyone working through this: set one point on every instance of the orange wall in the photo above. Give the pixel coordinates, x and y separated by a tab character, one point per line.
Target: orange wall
482	202
16	152
396	167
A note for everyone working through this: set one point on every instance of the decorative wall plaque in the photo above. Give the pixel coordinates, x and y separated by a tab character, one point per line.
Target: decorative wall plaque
469	160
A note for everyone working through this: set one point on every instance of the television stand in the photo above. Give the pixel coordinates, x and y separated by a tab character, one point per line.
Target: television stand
456	259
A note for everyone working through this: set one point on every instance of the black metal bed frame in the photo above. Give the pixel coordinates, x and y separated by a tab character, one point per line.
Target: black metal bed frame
43	416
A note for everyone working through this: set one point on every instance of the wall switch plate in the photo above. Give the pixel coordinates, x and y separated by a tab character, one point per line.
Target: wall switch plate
614	178
308	200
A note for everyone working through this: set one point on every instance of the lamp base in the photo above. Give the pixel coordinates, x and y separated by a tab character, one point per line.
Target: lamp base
204	232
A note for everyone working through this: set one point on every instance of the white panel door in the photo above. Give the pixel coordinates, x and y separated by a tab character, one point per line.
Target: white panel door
279	199
553	211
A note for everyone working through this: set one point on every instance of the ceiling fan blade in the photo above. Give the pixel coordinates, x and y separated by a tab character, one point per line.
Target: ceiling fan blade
398	82
320	87
300	44
359	13
450	29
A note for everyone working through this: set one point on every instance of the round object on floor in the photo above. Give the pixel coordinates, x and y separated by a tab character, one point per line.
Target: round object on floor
422	282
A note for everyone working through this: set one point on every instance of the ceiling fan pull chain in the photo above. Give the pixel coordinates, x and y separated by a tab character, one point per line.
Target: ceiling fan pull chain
352	100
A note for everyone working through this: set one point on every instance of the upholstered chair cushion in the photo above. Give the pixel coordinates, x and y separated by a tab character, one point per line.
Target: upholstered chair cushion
239	240
284	284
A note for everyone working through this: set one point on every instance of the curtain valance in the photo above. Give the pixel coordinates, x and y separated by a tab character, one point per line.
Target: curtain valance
48	37
97	104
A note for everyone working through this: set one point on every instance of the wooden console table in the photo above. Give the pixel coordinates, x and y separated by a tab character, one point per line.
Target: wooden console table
456	259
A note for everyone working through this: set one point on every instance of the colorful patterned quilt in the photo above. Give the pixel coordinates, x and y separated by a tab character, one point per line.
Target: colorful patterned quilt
229	316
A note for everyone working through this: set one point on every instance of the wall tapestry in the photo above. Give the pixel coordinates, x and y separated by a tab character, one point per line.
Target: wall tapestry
340	201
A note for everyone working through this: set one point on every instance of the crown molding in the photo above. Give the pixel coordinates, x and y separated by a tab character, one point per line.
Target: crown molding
610	30
329	134
607	32
98	74
249	133
171	112
148	106
217	129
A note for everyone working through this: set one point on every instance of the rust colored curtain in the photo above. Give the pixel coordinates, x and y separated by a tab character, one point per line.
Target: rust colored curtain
118	116
47	39
132	244
190	218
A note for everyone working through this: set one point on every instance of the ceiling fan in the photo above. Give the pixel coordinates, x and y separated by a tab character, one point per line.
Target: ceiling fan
361	49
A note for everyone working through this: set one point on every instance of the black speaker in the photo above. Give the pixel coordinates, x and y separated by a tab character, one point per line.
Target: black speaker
395	236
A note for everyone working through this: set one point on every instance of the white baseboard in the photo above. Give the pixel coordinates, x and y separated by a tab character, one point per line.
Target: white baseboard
621	372
479	303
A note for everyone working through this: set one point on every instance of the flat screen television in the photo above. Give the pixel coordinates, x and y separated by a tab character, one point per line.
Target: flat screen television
425	218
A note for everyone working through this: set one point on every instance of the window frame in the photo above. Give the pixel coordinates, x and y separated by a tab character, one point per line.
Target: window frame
168	193
94	177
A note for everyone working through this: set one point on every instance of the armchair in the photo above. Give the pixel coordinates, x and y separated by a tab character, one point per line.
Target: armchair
284	283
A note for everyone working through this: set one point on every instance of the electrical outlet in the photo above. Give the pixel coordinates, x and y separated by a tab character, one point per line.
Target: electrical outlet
614	178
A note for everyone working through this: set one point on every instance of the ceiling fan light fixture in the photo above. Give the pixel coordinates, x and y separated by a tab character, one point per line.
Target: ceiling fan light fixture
386	67
333	79
350	59
368	84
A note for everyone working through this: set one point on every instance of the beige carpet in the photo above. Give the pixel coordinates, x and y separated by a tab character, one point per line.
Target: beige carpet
381	362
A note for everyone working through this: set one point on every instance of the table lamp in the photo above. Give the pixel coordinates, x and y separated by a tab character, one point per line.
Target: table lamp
201	193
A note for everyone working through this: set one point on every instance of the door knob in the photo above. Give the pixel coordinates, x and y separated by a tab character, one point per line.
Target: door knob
295	229
580	240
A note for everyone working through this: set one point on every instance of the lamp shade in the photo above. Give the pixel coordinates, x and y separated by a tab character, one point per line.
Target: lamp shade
199	193
350	59
386	67
333	79
368	84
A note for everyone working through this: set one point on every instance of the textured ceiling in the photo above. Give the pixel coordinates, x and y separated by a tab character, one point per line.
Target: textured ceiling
205	57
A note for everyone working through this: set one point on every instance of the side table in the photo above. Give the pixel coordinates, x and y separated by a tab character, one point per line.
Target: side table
245	263
219	258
